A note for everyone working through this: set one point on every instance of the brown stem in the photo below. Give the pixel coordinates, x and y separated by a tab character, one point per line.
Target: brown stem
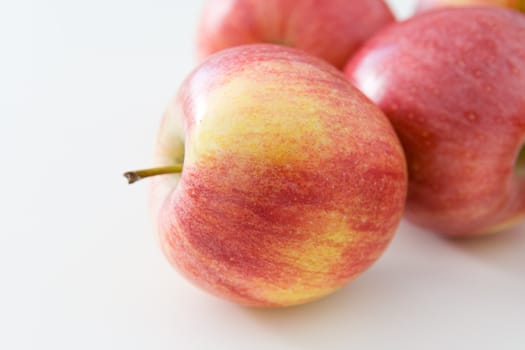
520	162
134	176
521	5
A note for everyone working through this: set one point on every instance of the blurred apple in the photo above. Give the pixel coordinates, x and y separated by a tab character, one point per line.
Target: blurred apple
292	181
453	84
332	30
424	5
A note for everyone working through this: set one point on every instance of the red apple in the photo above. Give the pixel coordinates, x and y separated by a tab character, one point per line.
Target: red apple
453	84
332	30
292	181
423	5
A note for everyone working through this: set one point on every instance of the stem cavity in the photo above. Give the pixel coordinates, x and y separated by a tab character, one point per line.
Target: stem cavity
520	162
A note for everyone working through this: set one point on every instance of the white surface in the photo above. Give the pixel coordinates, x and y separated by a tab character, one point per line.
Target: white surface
82	87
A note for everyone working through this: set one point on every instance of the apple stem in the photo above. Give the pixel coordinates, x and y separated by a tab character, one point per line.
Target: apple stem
520	162
136	175
521	5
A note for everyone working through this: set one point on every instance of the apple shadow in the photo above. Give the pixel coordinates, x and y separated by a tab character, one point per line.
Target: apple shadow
505	250
337	321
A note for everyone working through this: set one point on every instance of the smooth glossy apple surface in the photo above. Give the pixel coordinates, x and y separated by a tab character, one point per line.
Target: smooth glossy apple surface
425	5
453	84
332	30
293	182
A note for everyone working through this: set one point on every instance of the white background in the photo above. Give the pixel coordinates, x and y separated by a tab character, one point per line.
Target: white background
82	88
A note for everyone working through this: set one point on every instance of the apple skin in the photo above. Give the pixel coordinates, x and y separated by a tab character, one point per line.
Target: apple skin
293	181
332	30
452	83
425	5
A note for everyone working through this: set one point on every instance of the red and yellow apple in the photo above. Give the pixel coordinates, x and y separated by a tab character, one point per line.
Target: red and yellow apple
452	82
292	181
424	5
332	30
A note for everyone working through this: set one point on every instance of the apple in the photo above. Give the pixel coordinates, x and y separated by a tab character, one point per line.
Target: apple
452	82
291	181
332	30
424	5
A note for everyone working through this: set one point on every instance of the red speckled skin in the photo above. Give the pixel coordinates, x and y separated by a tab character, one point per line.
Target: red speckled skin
453	84
332	30
311	203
